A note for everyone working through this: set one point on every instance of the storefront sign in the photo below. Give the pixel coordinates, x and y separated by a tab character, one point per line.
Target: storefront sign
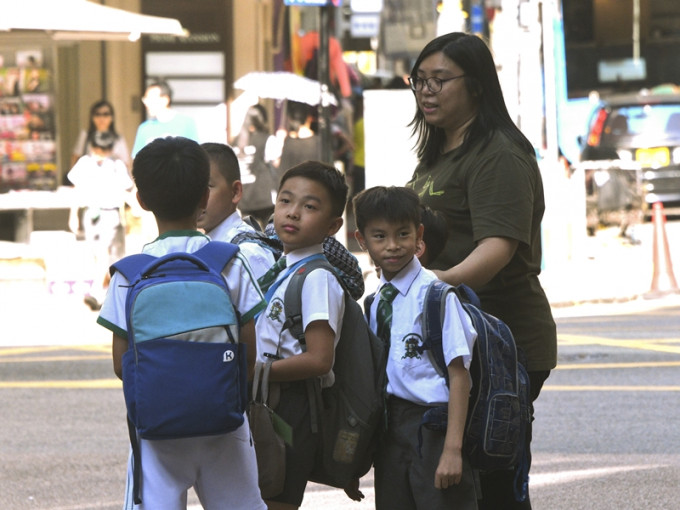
365	25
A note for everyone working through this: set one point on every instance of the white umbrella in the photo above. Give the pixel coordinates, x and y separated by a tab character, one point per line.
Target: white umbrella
80	19
283	85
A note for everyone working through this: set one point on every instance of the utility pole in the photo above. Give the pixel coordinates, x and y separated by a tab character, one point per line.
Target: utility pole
636	31
324	80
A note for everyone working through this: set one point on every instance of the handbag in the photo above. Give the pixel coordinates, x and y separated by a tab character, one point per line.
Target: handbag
270	448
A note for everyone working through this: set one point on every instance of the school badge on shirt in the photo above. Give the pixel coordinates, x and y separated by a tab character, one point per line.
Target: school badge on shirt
411	343
275	310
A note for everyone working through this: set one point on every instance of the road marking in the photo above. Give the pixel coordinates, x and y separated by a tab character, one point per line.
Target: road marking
94	384
550	387
55	358
24	354
543	479
640	364
644	345
13	351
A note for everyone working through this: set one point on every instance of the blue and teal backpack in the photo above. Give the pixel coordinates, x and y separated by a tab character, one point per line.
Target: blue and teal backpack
185	372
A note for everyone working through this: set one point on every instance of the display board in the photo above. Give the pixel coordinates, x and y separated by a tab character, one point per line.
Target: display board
27	122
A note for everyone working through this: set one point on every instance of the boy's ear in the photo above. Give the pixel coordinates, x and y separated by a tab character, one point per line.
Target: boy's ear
419	233
237	192
360	239
335	226
141	202
420	248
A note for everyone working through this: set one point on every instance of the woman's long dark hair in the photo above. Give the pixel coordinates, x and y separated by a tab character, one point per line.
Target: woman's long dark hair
92	129
472	55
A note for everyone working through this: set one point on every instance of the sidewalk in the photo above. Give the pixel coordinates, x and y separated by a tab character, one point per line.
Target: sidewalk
610	270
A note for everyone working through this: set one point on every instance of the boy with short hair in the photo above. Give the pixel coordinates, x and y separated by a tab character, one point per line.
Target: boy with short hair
389	227
220	220
309	206
172	176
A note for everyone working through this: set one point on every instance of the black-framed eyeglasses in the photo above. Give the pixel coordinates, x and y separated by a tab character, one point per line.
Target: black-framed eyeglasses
433	83
102	114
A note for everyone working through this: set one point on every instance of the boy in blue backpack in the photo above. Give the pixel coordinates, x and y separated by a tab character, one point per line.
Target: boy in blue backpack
220	220
309	206
172	176
438	476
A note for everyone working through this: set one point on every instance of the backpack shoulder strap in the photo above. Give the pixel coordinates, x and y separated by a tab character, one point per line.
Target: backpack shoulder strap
467	295
292	300
216	254
432	321
368	301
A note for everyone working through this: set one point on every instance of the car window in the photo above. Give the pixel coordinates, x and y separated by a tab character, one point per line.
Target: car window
661	120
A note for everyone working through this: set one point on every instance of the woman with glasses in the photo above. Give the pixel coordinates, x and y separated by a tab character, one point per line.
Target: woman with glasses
101	121
479	171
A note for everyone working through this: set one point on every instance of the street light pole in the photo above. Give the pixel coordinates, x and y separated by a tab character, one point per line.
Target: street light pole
636	31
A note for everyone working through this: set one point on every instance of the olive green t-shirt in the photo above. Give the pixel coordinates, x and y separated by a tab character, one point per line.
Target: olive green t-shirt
497	192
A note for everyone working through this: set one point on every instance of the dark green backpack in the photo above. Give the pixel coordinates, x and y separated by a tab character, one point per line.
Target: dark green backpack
349	413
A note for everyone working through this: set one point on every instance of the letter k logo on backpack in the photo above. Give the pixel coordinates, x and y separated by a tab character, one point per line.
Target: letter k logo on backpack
184	373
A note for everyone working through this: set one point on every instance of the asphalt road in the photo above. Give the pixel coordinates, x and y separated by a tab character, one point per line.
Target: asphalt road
606	432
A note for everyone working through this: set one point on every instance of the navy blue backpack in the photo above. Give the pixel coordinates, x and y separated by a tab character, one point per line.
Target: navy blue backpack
498	424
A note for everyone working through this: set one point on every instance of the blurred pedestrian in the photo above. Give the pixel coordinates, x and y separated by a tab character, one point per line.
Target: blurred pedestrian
302	142
258	176
162	119
102	180
479	170
102	120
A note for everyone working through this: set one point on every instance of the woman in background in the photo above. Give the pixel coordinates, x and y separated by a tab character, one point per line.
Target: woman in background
101	120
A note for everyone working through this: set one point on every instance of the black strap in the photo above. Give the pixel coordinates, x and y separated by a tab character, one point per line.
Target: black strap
136	463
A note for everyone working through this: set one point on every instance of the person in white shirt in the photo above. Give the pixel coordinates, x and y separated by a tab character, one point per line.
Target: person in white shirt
389	227
221	220
309	207
172	180
103	183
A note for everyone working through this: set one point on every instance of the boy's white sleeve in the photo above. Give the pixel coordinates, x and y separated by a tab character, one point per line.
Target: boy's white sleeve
112	315
459	335
323	299
259	259
245	293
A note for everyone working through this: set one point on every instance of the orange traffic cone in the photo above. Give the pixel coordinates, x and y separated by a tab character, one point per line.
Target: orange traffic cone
663	279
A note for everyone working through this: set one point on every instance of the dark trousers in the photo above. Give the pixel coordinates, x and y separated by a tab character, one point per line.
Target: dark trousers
404	477
497	487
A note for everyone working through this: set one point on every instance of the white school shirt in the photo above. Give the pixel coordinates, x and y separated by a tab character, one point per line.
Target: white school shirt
259	258
101	184
323	298
243	289
410	375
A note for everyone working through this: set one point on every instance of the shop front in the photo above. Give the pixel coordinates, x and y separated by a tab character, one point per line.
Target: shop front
39	99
